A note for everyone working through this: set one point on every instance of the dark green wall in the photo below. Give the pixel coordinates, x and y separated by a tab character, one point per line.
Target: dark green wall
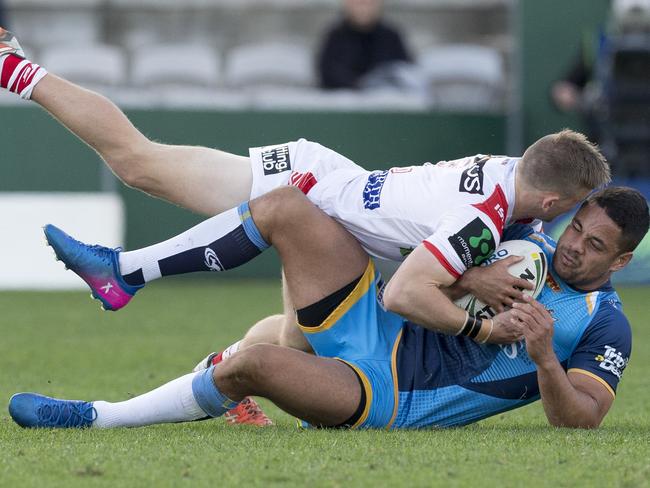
39	155
551	33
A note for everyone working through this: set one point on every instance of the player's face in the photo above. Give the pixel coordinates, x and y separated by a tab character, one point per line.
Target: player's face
588	251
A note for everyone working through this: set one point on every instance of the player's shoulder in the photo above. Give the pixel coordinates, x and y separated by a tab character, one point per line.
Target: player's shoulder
605	346
609	324
610	314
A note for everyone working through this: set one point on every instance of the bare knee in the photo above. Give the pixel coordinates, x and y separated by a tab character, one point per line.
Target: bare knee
285	206
267	331
131	164
244	372
292	336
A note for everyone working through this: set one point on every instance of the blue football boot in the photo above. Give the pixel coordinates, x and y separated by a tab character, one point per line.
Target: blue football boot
98	266
34	410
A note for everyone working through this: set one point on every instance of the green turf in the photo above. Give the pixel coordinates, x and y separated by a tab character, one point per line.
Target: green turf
61	345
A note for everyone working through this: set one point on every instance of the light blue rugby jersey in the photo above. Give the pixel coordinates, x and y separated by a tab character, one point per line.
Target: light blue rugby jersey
447	381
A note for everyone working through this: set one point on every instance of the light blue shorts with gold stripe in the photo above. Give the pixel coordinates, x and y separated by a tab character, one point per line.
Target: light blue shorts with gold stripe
362	334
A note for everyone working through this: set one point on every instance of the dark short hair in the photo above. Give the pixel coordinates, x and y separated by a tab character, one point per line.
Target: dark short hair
628	209
565	162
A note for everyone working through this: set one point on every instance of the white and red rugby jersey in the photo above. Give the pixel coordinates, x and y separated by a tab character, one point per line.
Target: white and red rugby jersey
457	208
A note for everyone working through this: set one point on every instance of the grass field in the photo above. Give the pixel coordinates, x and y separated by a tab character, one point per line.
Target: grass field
61	344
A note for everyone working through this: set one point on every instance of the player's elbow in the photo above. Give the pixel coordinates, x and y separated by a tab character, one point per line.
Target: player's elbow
582	422
396	297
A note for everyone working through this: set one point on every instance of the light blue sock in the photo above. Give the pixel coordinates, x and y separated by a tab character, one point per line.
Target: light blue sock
208	396
251	230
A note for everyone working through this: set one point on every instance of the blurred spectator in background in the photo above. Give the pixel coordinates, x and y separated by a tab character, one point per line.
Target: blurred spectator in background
567	91
609	83
359	45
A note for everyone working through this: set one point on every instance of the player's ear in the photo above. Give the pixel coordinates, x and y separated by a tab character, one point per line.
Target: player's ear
549	200
621	261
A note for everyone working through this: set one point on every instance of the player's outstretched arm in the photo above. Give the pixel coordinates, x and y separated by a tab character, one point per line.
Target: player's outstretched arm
415	293
570	400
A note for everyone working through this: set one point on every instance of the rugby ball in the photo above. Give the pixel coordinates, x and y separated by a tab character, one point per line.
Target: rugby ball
532	268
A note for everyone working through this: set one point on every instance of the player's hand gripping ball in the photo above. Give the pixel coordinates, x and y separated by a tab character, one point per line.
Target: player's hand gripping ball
532	268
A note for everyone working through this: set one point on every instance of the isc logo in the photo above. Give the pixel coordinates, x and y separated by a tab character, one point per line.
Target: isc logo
471	181
276	160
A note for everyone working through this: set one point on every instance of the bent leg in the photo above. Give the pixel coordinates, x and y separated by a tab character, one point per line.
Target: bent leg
321	391
279	330
318	255
201	179
266	331
290	334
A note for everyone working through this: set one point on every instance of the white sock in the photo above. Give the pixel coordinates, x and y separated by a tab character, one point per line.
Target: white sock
199	236
172	402
230	350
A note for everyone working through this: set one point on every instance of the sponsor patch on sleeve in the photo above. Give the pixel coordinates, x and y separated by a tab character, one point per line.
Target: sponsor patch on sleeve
372	190
471	180
275	159
612	360
474	243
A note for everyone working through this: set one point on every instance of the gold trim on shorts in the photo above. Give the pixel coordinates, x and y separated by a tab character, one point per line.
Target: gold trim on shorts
366	281
367	388
393	368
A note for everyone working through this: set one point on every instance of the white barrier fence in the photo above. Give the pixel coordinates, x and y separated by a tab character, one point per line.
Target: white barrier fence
25	261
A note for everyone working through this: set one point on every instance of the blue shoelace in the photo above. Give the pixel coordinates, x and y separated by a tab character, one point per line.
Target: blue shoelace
105	254
66	414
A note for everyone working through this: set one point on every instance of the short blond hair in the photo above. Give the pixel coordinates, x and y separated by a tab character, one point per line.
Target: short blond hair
565	162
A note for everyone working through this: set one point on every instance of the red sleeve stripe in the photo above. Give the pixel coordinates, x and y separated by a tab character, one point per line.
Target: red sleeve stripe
442	259
8	67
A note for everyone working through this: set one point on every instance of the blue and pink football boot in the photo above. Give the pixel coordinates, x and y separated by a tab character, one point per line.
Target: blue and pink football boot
98	266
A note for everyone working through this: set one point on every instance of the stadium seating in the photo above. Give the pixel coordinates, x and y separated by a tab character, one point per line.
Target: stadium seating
464	76
270	64
98	66
75	22
175	64
172	54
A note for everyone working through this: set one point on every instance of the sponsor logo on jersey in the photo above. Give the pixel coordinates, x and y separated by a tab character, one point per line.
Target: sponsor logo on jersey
552	284
495	207
471	180
474	243
513	350
614	303
372	190
276	160
612	361
211	260
304	181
